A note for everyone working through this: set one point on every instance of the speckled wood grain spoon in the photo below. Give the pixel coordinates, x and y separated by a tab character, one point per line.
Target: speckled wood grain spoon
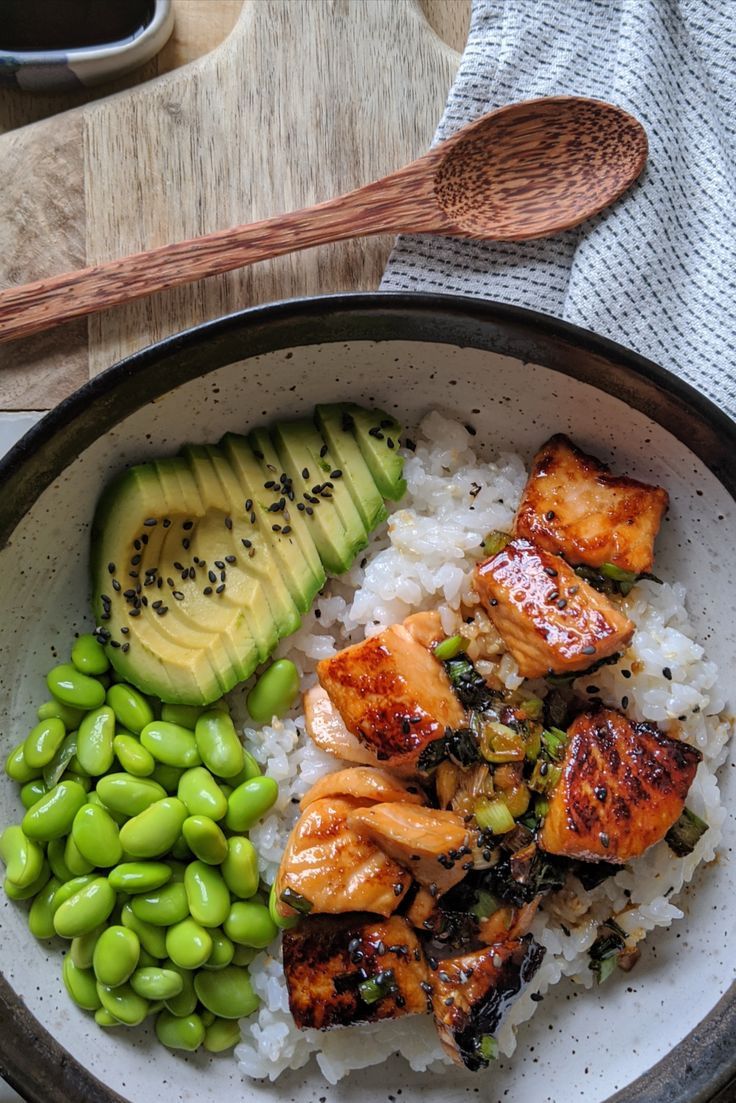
525	171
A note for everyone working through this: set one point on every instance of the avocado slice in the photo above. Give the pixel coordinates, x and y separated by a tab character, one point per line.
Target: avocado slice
377	435
201	563
293	552
348	459
330	513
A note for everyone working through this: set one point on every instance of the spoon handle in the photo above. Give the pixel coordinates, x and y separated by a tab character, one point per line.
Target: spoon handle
403	201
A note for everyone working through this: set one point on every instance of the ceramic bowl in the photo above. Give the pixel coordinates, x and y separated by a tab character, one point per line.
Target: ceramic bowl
663	1034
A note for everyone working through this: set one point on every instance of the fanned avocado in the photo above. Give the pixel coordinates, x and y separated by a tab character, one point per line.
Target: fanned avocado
203	562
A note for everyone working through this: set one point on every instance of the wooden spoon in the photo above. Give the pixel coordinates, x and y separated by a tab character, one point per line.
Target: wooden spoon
527	170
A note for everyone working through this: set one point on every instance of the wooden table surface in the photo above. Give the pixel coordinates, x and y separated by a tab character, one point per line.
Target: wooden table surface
254	107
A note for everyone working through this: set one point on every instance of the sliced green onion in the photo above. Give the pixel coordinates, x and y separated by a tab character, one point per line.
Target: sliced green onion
496	541
685	832
533	707
488	1047
499	743
449	648
616	574
486	904
544	777
378	987
296	901
605	968
554	741
533	743
541	808
493	815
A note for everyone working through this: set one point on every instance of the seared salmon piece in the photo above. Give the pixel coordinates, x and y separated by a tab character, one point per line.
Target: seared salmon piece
326	959
327	730
622	787
365	784
327	867
551	621
574	506
425	627
471	992
433	844
392	694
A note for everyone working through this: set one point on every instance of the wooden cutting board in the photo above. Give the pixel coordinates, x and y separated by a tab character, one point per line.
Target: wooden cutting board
304	99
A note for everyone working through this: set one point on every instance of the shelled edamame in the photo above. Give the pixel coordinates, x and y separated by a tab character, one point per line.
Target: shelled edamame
133	847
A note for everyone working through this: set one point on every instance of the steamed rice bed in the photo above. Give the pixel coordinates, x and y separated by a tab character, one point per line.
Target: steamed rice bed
424	559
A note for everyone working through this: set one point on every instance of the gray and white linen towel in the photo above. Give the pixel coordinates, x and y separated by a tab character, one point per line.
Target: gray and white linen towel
657	272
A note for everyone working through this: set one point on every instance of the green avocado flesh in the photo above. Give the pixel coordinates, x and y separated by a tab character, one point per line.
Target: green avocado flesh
201	563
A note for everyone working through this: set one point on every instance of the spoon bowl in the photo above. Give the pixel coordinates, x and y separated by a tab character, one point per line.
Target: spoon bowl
532	169
525	171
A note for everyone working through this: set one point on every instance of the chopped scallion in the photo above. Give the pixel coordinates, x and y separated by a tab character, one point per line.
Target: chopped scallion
495	542
617	574
554	741
685	832
296	901
378	987
533	707
449	648
493	815
488	1047
499	743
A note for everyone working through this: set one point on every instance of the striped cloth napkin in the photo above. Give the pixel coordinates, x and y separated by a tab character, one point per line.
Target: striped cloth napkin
655	273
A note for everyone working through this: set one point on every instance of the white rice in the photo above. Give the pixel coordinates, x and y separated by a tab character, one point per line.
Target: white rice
425	560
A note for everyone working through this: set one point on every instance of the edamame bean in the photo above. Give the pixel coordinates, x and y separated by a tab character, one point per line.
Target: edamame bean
170	744
243	955
207	893
118	817
205	839
132	756
69	888
69	716
72	688
228	993
285	922
167	776
249	802
250	769
250	923
218	743
188	944
152	939
85	910
201	794
207	1017
17	768
104	1019
156	984
115	956
83	947
52	816
22	856
123	1003
95	741
180	849
25	892
135	877
186	1001
131	707
185	1033
129	795
42	743
184	715
88	655
154	831
274	693
41	913
55	854
163	906
221	1035
96	836
240	867
54	771
81	779
223	951
32	791
74	858
81	985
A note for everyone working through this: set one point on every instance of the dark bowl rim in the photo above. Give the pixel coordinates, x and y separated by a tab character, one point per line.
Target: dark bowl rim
702	1068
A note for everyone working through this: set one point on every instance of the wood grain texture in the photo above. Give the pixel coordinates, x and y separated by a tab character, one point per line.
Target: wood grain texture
302	101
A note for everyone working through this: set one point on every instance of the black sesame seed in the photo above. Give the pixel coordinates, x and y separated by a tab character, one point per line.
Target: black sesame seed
624	702
137	545
111	568
257	453
219	563
625	673
170	582
336	474
188	525
286	530
300	506
309	511
398	889
223	576
592	689
132	574
551	572
550	515
230	559
305	472
604	839
276	528
162	611
561	604
207	591
252	518
269	485
116	585
246	543
667	673
135	560
178	595
125	647
212	576
323	451
186	544
166	522
248	505
178	566
132	613
125	630
228	523
589	650
157	604
220	588
390	442
553	595
128	593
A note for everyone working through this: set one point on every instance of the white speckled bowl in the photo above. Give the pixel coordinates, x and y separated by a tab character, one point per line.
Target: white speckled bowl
519	377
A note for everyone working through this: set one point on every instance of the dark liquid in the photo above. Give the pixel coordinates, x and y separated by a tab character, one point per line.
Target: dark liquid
27	25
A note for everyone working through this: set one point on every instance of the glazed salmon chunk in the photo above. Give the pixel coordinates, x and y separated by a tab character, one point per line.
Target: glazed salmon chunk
551	620
622	787
574	506
365	784
434	845
392	694
471	992
327	867
326	959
